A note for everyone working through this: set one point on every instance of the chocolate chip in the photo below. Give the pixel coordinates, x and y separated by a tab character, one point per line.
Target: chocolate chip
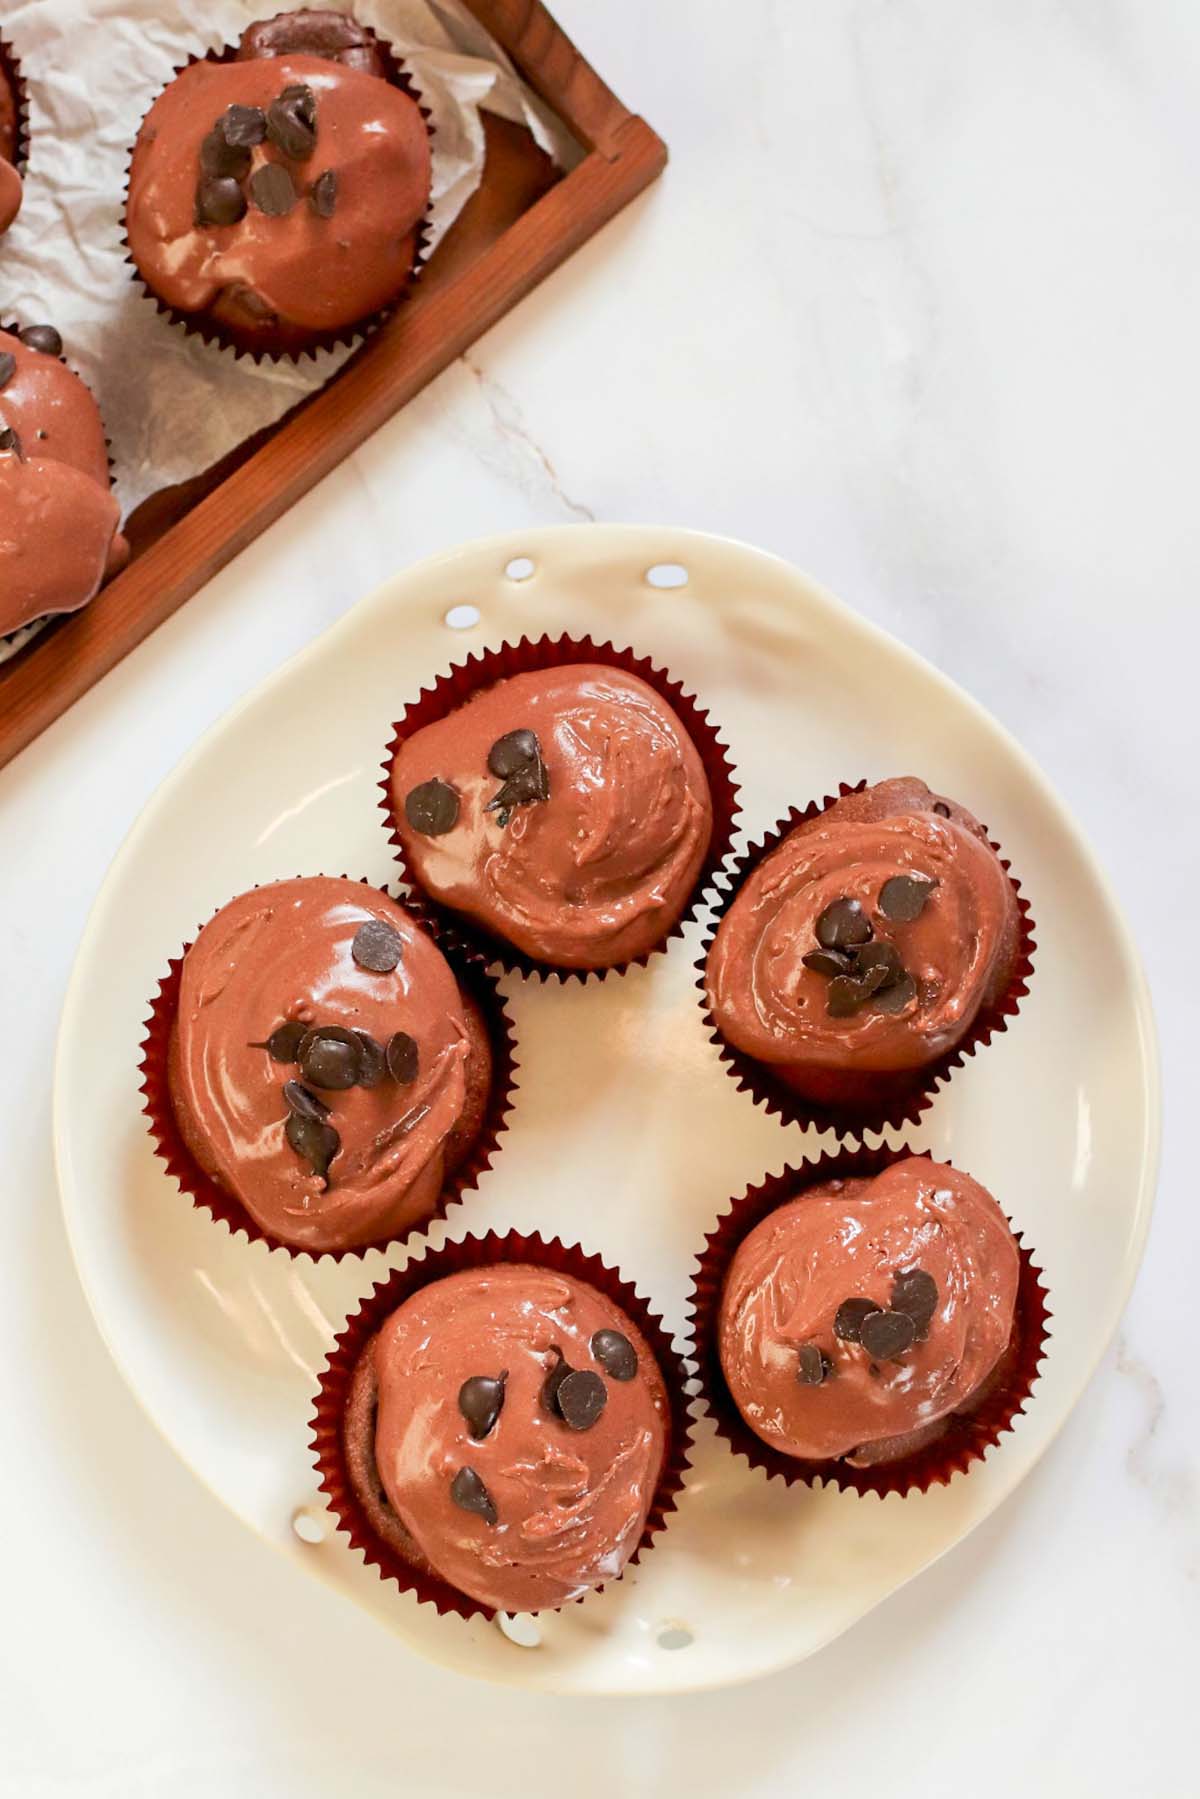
530	782
902	898
810	1367
9	441
303	1103
403	1058
432	808
243	126
886	1335
218	157
615	1354
844	998
830	962
480	1400
322	195
843	925
273	190
314	1140
914	1292
43	338
8	367
372	1062
292	123
581	1397
511	752
851	1315
284	1041
548	1398
470	1495
219	201
330	1057
896	997
377	946
941	808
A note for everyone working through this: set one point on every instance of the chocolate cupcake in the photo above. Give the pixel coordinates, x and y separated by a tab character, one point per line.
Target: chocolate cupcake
317	1072
864	948
277	196
871	1320
497	1431
60	538
559	808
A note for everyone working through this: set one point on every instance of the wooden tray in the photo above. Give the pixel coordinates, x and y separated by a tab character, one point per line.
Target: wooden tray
523	221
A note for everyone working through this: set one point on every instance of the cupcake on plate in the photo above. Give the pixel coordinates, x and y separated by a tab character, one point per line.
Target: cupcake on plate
277	196
562	813
864	947
320	1067
60	538
496	1429
11	192
869	1316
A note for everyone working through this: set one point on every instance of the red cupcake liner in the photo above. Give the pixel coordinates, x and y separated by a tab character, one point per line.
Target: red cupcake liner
486	667
213	331
969	1435
224	1207
775	1095
10	66
327	1442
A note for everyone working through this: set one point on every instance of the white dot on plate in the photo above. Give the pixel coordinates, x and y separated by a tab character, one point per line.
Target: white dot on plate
461	618
310	1527
674	1636
520	1628
667	574
519	569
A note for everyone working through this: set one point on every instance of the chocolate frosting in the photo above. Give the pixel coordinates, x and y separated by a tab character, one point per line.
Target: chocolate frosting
768	1004
303	270
284	952
599	871
570	1505
849	1239
58	517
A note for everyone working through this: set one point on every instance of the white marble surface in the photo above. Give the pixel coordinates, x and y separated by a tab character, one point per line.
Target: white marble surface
915	306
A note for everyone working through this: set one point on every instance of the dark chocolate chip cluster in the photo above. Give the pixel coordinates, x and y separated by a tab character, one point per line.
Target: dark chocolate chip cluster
575	1396
514	759
865	971
226	188
885	1332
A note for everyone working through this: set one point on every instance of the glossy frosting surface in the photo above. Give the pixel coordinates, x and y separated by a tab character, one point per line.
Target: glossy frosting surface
306	270
601	870
284	952
570	1505
848	1240
770	1005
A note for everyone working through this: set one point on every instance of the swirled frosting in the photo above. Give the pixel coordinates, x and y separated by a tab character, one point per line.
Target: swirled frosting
851	1240
58	518
281	954
601	869
303	271
958	950
568	1505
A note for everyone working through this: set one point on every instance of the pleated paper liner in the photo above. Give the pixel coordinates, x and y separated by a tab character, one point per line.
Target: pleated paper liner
13	641
10	67
910	1102
483	670
216	331
968	1434
328	1442
205	1193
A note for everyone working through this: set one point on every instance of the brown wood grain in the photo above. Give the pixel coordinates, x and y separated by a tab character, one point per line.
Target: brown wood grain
517	229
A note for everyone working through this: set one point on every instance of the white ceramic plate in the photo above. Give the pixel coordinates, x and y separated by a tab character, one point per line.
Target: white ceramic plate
627	1136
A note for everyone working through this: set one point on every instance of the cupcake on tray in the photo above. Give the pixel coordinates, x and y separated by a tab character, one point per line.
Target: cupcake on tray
317	1074
277	195
871	1320
863	949
566	811
60	538
496	1429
